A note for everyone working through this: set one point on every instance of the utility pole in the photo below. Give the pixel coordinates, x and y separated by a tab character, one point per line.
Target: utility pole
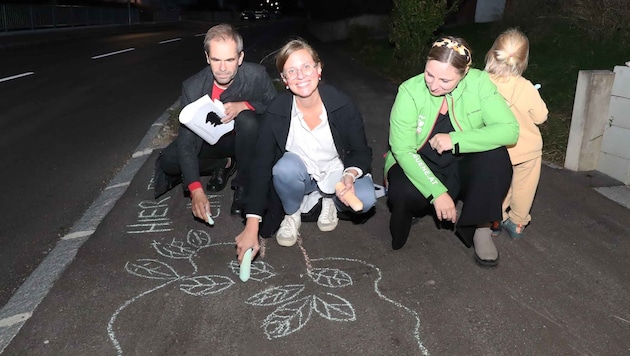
129	10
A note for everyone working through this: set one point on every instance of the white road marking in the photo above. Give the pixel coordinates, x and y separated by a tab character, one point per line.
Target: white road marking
113	53
171	40
16	76
76	234
18	318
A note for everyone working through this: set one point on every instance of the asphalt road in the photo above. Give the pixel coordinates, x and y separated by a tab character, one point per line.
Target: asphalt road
151	280
72	117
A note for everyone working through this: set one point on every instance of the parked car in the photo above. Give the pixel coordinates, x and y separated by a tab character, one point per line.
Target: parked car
261	14
248	15
254	15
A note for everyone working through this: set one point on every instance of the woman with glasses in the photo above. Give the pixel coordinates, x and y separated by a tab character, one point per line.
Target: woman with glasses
448	131
311	138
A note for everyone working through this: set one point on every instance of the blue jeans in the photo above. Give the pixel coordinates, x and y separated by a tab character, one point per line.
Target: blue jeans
292	182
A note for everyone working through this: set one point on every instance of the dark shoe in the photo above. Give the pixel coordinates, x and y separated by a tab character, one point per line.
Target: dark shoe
163	182
238	202
220	177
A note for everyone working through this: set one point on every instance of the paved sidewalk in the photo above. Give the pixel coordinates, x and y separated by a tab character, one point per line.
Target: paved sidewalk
149	279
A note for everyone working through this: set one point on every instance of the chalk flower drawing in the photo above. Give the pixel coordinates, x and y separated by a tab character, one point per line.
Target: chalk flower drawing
292	311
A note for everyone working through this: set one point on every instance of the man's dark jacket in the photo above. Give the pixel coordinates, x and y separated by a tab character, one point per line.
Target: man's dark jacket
348	132
251	84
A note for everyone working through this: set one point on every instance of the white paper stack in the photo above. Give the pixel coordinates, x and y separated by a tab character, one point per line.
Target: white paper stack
195	117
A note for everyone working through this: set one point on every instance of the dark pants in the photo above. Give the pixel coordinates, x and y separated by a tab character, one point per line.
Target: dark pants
238	144
480	180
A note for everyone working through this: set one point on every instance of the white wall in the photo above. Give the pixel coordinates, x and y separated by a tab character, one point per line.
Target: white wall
614	159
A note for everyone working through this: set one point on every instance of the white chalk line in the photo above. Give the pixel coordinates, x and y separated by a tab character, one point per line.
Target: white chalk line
416	329
622	319
112	320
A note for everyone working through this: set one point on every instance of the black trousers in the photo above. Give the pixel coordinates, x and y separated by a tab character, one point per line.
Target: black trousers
480	180
238	144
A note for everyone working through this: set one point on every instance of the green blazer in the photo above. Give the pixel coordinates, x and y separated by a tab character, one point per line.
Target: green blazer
481	118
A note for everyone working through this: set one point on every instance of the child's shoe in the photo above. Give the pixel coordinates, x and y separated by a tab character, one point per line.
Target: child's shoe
515	230
496	228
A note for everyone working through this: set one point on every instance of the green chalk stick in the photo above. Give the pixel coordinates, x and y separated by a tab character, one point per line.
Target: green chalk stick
246	265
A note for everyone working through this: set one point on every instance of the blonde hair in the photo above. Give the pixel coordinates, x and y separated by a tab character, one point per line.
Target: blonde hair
509	54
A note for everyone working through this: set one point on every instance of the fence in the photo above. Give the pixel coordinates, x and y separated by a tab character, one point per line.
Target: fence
30	17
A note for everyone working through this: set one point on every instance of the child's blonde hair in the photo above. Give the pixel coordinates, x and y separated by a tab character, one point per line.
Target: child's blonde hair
509	54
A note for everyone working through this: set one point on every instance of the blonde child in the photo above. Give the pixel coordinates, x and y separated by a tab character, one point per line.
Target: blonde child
505	62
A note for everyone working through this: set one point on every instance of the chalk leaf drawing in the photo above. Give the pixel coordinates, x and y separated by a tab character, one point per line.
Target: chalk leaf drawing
330	277
152	269
292	314
205	285
292	309
275	295
291	317
259	270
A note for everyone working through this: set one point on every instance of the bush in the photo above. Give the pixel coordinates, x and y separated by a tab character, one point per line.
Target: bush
413	25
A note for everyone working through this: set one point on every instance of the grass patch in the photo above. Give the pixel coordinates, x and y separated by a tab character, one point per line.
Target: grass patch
557	54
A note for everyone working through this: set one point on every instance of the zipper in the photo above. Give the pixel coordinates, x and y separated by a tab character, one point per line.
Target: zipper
452	112
432	127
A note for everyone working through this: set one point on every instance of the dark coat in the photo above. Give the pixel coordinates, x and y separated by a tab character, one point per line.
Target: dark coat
251	84
348	134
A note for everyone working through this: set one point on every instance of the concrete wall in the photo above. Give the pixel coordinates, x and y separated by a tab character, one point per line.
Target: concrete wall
599	138
614	158
590	114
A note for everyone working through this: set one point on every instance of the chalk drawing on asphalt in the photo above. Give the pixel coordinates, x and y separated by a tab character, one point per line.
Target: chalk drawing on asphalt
293	308
152	217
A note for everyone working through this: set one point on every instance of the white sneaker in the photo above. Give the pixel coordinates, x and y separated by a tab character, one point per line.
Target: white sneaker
327	220
289	229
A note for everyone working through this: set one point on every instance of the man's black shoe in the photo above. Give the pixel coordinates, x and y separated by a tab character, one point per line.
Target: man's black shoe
238	201
163	182
219	178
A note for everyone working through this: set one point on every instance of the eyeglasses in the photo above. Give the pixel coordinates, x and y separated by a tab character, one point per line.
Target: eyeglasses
307	69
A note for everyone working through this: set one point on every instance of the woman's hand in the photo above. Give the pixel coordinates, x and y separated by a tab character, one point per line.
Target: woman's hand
348	183
445	208
248	238
441	142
